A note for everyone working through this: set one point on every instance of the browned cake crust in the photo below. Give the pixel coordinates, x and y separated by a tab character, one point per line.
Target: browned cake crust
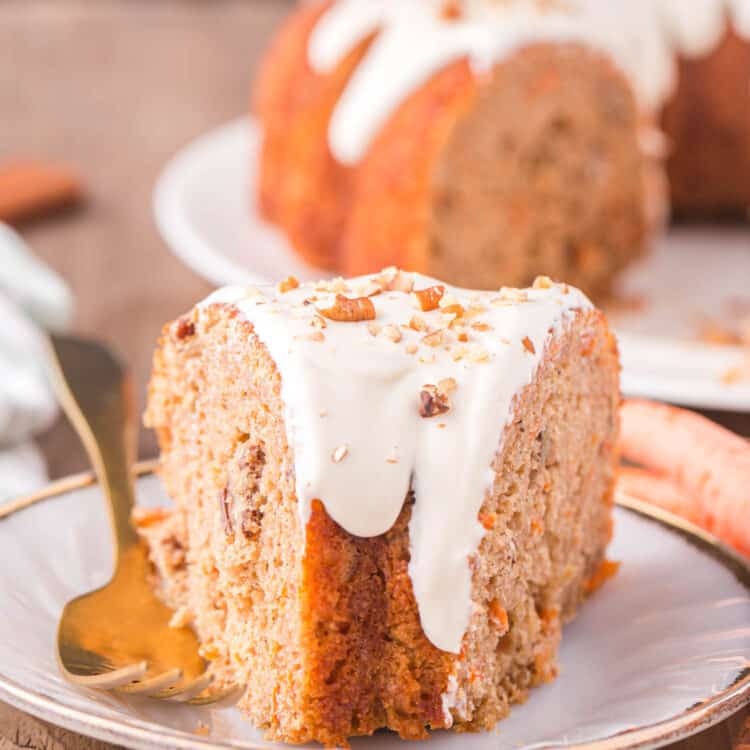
326	634
534	168
300	186
708	124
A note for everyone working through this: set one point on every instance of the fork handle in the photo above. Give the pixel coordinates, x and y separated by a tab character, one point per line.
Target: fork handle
96	392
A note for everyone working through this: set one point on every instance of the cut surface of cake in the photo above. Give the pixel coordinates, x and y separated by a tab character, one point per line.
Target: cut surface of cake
389	494
487	142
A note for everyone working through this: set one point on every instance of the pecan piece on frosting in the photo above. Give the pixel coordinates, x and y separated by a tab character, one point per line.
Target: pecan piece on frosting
395	280
429	298
289	283
349	310
392	333
543	282
433	401
436	338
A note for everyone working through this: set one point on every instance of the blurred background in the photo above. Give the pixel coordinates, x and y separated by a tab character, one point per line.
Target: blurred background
111	89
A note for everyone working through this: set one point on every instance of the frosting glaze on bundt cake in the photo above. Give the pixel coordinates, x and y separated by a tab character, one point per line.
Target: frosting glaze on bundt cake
483	149
488	141
389	494
417	38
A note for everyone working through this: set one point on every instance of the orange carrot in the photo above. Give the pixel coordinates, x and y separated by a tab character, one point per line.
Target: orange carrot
709	463
657	490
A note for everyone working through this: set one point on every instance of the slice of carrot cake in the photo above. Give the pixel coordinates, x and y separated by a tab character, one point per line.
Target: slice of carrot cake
389	494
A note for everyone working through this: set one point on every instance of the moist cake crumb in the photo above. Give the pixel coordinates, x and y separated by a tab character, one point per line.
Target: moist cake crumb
357	563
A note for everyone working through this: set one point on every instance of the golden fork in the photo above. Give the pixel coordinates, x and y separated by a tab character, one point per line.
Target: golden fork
118	636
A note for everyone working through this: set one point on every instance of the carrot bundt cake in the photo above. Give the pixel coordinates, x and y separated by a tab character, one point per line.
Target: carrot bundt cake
389	494
487	142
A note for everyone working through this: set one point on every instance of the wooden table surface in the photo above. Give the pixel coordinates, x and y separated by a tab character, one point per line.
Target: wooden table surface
113	88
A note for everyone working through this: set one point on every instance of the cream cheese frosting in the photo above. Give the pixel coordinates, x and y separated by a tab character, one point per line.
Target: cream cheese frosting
415	40
411	399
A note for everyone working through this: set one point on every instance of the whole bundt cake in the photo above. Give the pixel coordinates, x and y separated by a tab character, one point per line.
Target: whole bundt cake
485	142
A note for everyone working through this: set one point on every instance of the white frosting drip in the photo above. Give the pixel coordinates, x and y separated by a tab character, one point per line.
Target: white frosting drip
414	42
355	396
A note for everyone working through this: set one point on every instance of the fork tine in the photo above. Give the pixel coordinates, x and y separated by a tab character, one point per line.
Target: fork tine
221	698
185	692
152	684
109	680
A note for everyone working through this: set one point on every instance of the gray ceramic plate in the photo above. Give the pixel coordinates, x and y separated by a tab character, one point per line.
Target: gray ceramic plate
661	652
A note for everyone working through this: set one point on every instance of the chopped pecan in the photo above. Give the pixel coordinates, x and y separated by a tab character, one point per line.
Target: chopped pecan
478	353
395	280
449	304
368	289
433	401
336	285
455	309
417	324
543	282
512	295
429	298
392	333
288	284
350	310
434	339
401	282
458	353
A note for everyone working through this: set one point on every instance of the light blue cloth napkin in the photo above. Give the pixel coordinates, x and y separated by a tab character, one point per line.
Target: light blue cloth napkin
32	298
